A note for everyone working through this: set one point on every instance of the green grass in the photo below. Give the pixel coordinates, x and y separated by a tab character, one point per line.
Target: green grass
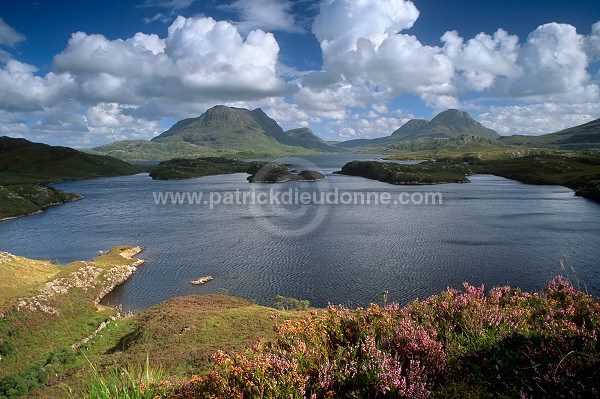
24	199
423	173
26	166
20	276
37	344
575	171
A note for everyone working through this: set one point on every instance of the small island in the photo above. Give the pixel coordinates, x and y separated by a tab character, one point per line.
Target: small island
260	171
280	173
201	280
428	172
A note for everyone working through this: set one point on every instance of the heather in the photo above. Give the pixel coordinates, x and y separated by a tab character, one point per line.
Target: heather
468	343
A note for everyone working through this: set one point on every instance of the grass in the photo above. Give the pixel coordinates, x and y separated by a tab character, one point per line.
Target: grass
19	276
469	343
25	167
270	172
36	343
24	199
423	173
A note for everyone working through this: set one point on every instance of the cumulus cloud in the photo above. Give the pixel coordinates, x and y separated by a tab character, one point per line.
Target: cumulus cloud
554	64
536	119
270	15
360	40
363	41
482	59
201	59
592	43
360	126
9	36
23	91
199	63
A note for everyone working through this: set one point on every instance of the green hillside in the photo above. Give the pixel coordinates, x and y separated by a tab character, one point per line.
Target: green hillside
22	161
236	129
447	125
574	138
24	166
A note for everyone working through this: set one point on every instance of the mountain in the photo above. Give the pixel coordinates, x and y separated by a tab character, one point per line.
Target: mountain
574	138
450	124
410	127
22	161
309	139
225	128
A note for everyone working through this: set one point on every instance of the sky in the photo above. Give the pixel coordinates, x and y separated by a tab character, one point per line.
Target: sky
86	73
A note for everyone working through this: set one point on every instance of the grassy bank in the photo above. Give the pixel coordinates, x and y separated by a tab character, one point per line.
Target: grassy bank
468	343
26	199
47	310
462	343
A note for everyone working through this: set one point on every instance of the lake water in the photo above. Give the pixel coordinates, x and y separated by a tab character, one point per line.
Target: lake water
491	231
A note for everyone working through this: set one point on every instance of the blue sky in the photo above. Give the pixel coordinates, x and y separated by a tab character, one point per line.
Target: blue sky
88	73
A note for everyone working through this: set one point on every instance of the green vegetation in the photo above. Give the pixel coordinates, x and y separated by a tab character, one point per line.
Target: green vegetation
575	138
47	310
460	343
466	343
447	125
572	170
287	303
22	161
25	199
269	172
24	166
429	172
43	351
192	168
221	132
578	170
20	276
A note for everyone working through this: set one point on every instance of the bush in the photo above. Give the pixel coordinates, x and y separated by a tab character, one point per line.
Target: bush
285	303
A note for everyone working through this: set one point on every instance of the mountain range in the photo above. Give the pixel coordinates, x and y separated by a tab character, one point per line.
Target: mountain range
449	124
243	133
222	130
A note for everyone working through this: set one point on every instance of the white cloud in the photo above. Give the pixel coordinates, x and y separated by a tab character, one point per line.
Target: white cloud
359	39
9	36
342	23
270	15
554	65
200	60
536	119
592	43
23	91
359	126
482	59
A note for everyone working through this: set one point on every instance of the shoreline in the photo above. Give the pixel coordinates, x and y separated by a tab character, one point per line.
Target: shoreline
41	210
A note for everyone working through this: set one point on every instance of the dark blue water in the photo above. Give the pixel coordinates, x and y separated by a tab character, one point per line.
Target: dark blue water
491	231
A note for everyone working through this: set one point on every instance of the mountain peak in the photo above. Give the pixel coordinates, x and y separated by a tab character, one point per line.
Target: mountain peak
237	129
410	127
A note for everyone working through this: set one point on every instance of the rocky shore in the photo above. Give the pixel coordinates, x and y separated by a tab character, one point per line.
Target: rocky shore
96	278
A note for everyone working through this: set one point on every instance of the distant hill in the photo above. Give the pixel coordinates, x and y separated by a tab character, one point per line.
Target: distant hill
309	139
574	138
221	131
236	129
450	124
22	161
25	166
